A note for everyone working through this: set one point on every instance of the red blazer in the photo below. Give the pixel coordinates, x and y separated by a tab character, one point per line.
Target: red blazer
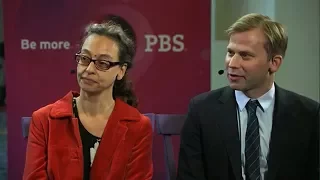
54	149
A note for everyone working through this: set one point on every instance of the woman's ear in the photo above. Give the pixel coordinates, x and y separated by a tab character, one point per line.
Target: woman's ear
122	71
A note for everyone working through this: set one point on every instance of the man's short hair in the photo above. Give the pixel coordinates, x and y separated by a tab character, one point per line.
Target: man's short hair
277	38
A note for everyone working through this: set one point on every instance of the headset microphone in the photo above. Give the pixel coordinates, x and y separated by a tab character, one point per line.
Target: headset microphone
220	72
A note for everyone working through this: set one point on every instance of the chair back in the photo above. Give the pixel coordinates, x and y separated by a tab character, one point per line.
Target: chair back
25	121
168	125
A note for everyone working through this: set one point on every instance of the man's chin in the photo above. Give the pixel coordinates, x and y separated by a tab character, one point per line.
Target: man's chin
237	87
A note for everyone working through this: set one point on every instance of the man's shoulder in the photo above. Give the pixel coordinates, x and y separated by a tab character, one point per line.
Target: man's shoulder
300	101
210	96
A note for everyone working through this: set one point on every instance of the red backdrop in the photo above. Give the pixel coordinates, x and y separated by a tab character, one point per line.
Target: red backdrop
171	66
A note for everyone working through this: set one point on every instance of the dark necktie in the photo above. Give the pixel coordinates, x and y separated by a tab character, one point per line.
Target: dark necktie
252	145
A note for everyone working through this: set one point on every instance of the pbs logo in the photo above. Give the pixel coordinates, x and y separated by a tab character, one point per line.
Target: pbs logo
164	43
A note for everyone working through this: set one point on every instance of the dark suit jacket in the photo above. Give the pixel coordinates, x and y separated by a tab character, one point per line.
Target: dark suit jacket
54	149
210	143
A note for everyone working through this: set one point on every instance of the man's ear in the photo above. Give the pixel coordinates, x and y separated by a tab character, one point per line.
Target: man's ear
275	63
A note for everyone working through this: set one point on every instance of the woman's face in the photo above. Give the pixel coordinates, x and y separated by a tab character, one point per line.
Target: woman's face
95	77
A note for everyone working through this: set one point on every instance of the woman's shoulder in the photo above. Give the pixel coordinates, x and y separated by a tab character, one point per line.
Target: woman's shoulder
61	107
43	111
145	119
129	113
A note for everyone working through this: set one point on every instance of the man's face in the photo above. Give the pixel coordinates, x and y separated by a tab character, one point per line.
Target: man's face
247	61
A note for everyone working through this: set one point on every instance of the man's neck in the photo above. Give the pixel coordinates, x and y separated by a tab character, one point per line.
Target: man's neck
258	92
95	104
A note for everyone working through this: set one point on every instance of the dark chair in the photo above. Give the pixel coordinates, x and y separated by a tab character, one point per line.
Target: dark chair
168	125
25	126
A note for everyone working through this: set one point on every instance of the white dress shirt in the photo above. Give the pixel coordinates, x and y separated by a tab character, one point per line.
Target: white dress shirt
265	125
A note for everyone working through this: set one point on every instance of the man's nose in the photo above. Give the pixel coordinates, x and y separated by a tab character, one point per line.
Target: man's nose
234	61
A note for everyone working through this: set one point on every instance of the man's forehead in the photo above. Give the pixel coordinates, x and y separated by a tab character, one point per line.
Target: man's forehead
247	39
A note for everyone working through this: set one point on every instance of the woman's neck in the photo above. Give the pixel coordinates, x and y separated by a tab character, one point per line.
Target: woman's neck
95	104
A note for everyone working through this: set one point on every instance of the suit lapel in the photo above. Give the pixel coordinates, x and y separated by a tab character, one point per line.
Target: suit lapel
226	116
279	133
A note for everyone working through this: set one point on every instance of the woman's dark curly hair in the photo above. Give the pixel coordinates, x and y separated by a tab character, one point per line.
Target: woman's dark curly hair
122	89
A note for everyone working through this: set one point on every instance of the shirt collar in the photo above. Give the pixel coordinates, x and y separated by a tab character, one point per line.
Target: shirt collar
264	100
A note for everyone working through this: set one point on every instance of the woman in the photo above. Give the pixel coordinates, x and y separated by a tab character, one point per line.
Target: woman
97	133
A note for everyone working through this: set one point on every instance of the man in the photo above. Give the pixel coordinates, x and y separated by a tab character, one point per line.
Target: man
252	129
